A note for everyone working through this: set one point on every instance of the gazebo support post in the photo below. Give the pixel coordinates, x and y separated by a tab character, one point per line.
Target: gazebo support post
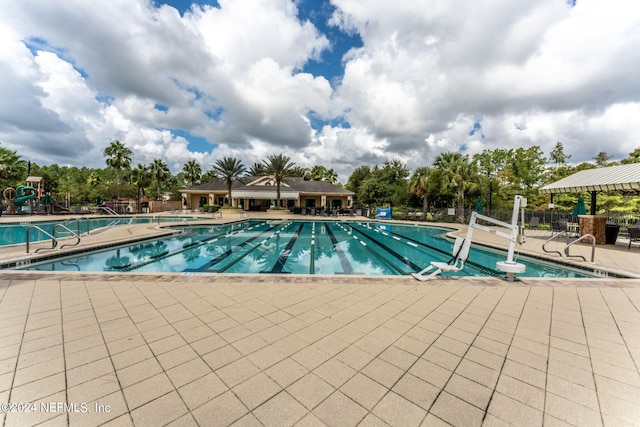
592	210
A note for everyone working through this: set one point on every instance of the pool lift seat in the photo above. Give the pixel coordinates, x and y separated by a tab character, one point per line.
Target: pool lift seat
461	246
460	254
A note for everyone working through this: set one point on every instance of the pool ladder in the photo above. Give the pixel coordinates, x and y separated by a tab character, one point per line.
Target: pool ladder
573	242
52	236
108	210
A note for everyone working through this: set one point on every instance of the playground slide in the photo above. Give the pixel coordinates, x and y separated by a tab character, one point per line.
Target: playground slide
62	208
23	194
48	200
20	201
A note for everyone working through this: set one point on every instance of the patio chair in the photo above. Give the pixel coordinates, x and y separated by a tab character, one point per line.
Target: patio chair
559	225
634	236
422	217
403	215
535	221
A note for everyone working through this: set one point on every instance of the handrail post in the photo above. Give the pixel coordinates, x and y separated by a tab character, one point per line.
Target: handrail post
77	236
554	236
54	241
593	246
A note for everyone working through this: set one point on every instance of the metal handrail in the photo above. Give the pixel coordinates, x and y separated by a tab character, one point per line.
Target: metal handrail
71	221
550	239
64	227
54	241
108	210
593	247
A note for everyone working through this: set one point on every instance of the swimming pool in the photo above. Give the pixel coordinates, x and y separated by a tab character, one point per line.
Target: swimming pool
16	233
298	247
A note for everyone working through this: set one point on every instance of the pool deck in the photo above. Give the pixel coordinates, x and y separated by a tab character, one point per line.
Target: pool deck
185	349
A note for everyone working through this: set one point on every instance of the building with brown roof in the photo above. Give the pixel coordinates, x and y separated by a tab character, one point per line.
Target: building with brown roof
259	193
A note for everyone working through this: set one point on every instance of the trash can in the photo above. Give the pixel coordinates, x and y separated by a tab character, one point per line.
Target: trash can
611	234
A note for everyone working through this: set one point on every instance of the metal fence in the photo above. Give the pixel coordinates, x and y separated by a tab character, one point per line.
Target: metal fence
546	218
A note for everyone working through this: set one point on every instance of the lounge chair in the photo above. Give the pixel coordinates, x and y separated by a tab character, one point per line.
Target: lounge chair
403	215
422	216
634	235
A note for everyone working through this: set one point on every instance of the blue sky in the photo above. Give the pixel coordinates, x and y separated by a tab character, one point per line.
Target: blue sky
329	65
318	12
338	83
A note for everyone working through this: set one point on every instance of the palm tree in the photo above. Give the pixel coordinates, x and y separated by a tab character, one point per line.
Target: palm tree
321	173
141	178
118	157
458	174
278	166
419	185
11	167
160	172
192	171
317	173
300	171
331	176
229	168
257	169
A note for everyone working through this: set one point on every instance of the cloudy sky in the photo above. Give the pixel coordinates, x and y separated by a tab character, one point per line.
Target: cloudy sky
339	83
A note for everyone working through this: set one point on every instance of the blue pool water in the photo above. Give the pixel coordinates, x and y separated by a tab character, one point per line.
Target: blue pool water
16	233
298	247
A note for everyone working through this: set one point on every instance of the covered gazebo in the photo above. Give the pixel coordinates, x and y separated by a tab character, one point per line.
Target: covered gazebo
623	179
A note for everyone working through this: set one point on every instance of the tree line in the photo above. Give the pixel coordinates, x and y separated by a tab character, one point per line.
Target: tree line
154	180
493	176
452	180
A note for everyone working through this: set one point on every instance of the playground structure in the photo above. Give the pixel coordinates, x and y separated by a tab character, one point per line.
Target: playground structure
18	197
27	198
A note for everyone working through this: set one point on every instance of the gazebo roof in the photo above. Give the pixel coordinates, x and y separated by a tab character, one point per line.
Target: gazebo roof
622	178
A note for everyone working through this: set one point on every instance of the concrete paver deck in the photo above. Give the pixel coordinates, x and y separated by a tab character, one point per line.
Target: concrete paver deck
183	349
215	350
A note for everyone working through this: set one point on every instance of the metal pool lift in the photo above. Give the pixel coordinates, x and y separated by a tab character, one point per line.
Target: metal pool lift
462	245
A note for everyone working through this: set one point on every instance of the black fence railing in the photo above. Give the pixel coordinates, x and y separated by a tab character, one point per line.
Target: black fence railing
543	219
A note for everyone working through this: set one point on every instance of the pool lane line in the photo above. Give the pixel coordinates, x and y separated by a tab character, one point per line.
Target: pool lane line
376	253
191	245
312	255
398	256
346	265
283	227
482	268
188	246
284	254
234	249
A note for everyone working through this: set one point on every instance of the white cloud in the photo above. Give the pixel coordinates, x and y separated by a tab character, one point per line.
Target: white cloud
80	73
